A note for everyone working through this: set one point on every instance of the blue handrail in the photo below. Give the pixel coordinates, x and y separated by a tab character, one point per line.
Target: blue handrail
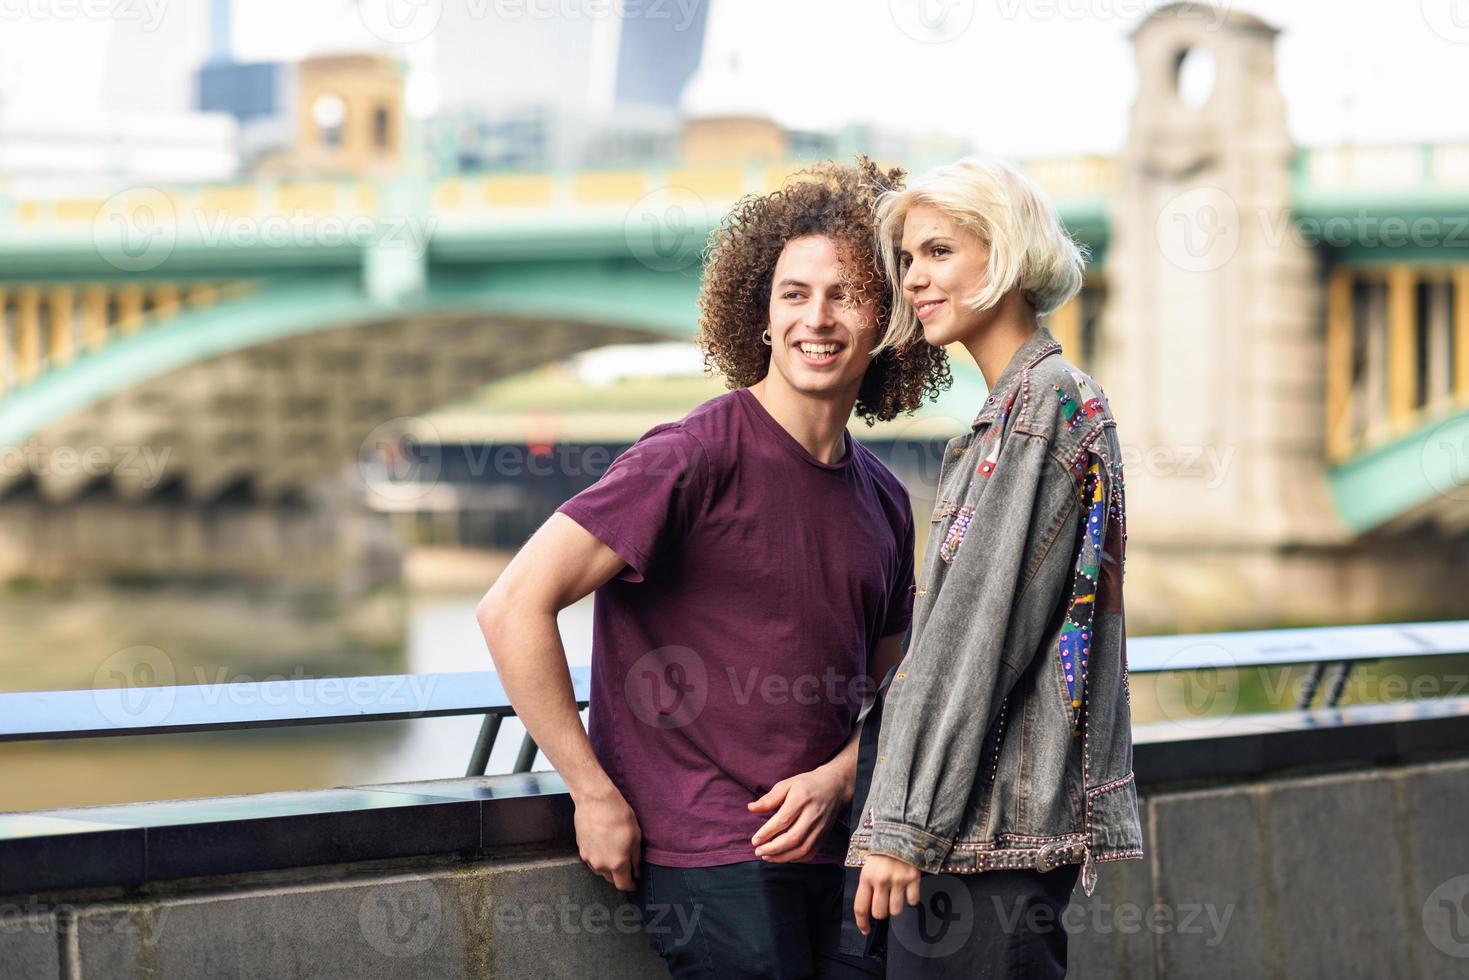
119	711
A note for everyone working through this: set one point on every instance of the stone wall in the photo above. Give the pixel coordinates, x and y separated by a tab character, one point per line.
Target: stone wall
1362	874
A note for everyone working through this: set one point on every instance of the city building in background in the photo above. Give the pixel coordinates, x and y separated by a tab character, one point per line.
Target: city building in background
150	62
260	96
96	155
146	128
656	57
337	112
566	93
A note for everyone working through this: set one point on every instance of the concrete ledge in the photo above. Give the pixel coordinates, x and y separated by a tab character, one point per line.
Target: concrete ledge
29	945
1346	875
1284	873
1355	875
1107	937
1244	747
140	843
1209	855
544	917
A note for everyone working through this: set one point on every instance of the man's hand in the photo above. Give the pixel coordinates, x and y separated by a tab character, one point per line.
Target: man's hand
804	806
608	838
885	885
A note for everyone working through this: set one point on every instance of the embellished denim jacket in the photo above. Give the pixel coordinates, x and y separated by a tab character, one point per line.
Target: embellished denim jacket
1006	733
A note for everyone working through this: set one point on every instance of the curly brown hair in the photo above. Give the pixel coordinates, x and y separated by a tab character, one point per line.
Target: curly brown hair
830	199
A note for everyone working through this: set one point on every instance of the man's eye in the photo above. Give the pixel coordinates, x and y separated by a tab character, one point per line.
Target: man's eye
791	296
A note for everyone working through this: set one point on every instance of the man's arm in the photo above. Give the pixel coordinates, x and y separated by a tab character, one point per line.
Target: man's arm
885	656
561	563
808	802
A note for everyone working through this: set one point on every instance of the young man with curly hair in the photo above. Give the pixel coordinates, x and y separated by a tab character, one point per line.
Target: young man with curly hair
753	565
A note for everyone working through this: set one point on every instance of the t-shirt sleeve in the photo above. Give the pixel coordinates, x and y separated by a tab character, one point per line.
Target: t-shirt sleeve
900	606
648	498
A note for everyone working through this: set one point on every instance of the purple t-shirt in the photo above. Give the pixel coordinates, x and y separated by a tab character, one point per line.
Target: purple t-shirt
732	650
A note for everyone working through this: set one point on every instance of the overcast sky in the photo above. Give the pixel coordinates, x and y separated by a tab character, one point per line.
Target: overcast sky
1016	76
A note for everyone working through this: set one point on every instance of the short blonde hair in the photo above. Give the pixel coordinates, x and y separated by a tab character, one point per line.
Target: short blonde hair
1029	246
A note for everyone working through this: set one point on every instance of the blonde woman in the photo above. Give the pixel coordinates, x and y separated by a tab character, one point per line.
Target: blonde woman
1003	766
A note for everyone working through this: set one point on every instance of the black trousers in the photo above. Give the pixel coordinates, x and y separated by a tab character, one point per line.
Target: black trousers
752	919
990	925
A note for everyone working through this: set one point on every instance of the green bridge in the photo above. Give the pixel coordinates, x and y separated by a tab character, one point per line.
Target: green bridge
461	280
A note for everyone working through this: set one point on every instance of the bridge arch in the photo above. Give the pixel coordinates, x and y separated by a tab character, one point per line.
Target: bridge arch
285	381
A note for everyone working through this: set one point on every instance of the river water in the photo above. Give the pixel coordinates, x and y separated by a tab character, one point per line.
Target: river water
76	640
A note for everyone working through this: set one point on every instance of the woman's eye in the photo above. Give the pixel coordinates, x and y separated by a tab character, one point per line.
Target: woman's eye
941	250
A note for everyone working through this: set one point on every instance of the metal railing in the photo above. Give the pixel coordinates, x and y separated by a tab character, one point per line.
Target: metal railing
172	710
124	711
1338	649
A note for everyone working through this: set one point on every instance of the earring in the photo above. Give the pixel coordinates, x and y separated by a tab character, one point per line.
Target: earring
765	338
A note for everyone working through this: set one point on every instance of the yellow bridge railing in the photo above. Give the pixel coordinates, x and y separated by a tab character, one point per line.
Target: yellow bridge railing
44	325
1397	351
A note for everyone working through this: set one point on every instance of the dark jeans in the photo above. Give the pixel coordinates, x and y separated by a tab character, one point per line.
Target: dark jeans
991	925
752	919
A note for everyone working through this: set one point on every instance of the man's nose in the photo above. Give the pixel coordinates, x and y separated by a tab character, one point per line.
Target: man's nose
819	313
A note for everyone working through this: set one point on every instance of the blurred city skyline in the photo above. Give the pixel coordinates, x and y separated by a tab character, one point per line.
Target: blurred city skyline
1370	74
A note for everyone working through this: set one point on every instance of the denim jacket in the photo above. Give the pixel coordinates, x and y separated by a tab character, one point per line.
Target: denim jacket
1006	734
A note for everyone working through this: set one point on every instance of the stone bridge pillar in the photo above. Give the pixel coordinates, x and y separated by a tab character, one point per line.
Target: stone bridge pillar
1211	347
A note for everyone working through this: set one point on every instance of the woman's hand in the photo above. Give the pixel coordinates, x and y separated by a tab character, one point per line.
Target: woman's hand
804	807
886	885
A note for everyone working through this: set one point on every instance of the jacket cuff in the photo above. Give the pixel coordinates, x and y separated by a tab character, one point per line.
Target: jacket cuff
909	844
